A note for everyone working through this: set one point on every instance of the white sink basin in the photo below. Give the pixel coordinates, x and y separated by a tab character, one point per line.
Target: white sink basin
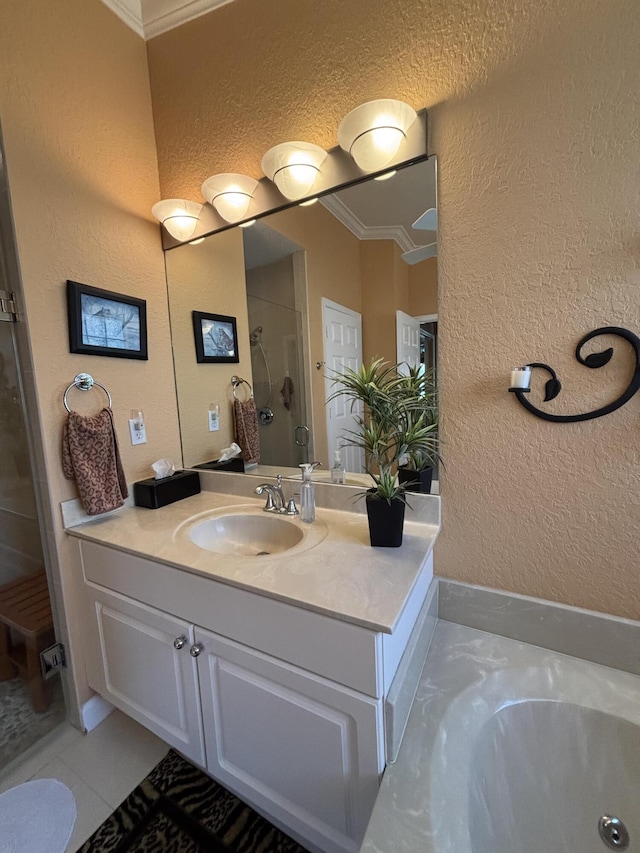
248	535
245	530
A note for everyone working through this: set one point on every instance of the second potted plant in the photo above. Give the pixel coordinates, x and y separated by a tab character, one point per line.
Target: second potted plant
415	471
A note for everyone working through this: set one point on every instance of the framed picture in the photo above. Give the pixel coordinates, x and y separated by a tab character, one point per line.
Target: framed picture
216	338
106	323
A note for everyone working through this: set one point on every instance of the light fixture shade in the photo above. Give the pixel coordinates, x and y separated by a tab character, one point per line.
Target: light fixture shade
230	194
373	132
293	167
178	216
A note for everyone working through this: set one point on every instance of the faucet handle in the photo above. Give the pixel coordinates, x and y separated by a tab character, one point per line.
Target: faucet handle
292	509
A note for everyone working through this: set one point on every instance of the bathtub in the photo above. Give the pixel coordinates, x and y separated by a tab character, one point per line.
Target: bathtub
512	749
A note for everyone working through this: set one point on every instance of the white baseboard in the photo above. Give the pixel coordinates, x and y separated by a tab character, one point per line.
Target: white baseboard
94	711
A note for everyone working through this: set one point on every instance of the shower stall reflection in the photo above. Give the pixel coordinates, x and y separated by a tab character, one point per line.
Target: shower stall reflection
278	386
275	278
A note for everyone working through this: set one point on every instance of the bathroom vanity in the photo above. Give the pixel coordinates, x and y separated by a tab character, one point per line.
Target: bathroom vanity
274	672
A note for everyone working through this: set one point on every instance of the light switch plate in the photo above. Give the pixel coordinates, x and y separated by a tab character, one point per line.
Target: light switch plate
214	421
138	432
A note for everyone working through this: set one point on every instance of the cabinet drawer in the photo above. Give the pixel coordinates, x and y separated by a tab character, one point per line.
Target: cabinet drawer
337	650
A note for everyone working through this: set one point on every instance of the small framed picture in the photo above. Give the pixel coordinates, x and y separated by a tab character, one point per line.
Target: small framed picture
216	338
106	323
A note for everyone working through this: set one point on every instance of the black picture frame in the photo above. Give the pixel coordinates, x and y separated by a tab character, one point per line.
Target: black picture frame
216	338
105	323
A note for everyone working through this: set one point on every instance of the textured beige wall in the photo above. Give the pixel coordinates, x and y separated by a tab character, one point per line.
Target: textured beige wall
80	151
377	258
207	277
423	288
534	115
333	271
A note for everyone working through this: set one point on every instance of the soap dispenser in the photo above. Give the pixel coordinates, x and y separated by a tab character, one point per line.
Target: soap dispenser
307	493
338	474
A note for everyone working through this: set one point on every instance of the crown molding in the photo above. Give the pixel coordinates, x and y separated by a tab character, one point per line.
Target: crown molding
159	16
150	18
367	232
129	11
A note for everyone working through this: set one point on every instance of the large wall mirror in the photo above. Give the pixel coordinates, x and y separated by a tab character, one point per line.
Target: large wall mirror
312	288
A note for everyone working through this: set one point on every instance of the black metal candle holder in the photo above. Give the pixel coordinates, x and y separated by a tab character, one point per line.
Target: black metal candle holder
593	360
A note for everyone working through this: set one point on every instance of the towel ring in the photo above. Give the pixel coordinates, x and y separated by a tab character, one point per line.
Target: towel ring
84	382
237	380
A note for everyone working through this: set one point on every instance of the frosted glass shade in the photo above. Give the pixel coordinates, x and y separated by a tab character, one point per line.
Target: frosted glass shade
373	132
178	216
293	167
230	194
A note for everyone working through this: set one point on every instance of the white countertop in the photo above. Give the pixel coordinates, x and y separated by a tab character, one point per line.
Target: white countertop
341	576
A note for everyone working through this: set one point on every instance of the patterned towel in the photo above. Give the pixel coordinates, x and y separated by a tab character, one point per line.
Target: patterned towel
90	456
245	418
286	392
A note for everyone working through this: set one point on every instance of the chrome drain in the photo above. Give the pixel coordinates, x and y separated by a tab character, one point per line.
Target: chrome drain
613	832
263	553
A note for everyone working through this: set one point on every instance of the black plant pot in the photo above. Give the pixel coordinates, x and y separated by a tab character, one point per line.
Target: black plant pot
416	481
385	521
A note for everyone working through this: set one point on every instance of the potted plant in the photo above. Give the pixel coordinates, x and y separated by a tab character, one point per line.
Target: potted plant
391	427
415	471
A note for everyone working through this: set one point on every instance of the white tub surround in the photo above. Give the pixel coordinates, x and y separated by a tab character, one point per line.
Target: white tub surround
274	673
513	746
598	637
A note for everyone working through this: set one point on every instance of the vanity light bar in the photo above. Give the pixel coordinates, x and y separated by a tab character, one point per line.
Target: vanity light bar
336	170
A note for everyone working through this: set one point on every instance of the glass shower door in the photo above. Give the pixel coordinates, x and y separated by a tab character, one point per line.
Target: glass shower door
278	382
30	706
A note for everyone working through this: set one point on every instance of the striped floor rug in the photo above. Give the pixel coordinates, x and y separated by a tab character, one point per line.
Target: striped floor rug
179	809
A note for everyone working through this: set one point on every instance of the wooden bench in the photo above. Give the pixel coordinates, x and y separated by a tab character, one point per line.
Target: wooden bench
25	610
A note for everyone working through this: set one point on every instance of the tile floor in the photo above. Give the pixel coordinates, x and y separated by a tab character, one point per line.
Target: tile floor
101	768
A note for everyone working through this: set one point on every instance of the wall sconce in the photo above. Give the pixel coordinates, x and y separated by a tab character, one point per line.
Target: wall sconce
230	194
179	216
293	167
373	132
521	378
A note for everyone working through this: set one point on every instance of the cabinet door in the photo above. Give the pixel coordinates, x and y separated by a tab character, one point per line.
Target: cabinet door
301	749
132	661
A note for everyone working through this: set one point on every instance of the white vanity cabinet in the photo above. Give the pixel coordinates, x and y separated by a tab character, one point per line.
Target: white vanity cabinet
281	705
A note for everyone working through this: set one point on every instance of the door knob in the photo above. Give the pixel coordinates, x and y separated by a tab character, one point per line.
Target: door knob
195	649
179	642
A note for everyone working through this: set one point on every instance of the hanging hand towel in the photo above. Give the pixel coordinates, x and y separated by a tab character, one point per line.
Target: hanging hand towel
245	417
90	456
286	392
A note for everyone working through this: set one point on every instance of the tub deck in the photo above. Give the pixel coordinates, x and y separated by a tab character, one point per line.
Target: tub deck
424	802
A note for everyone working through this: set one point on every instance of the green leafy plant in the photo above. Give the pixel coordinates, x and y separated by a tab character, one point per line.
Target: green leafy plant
394	421
421	413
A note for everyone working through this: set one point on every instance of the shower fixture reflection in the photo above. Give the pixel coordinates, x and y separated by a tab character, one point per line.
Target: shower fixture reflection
265	413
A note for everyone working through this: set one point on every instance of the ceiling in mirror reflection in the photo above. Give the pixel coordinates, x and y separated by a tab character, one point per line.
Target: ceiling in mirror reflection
390	209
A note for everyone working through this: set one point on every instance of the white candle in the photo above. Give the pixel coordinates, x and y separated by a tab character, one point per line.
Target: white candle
521	377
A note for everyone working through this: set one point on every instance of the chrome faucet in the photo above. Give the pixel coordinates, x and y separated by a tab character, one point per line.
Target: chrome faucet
276	501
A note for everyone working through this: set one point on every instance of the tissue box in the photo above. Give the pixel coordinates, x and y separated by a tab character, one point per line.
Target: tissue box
153	493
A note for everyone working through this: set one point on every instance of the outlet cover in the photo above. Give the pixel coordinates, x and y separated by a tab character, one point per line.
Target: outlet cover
138	432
